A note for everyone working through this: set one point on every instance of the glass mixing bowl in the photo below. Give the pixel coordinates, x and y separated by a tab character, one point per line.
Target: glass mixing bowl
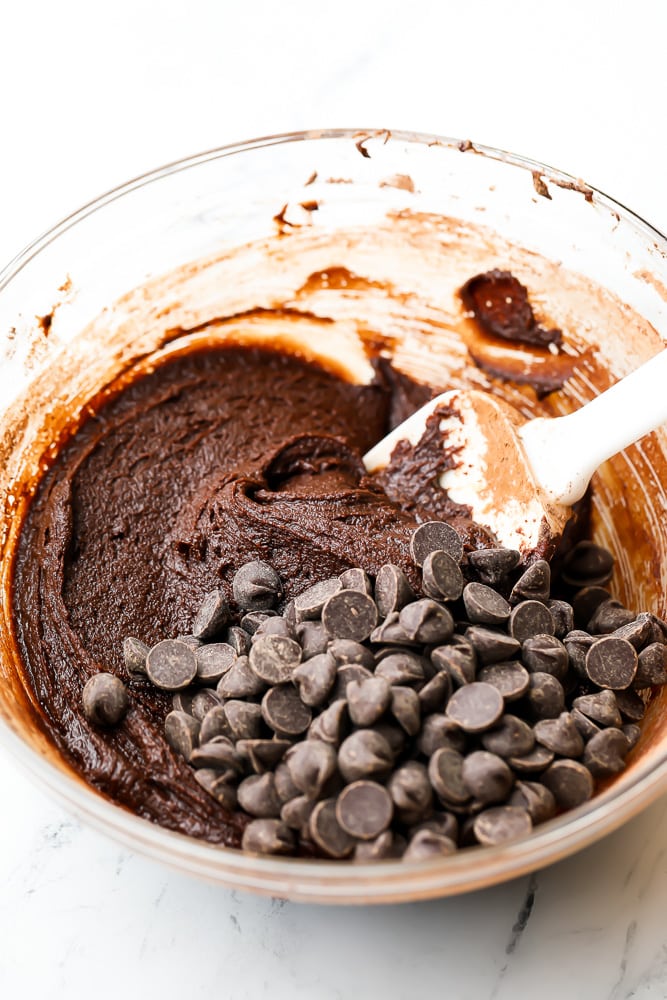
71	319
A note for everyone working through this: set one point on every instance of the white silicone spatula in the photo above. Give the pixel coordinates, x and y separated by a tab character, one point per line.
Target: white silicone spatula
520	478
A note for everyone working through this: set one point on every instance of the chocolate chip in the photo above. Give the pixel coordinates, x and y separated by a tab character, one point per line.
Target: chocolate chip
530	618
491	645
214	724
181	701
535	798
534	584
570	782
190	640
284	712
104	698
434	695
475	707
275	625
256	586
630	705
401	668
510	678
636	632
587	563
532	763
426	621
512	737
364	754
546	696
217	786
501	824
439	731
263	755
273	658
238	639
432	536
134	655
368	700
315	678
563	616
309	604
258	796
485	606
444	823
332	724
313	639
344	676
585	603
219	754
577	644
347	651
326	831
244	720
203	702
356	578
492	565
182	733
411	792
427	844
392	589
405	707
545	654
442	578
383	847
268	836
458	662
212	616
609	616
241	681
296	813
445	772
657	627
560	735
601	707
214	660
612	663
171	665
364	809
486	777
605	753
311	764
652	666
391	633
632	733
285	787
586	727
393	734
350	614
254	619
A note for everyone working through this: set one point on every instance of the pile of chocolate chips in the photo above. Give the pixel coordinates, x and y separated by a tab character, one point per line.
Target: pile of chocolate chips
369	722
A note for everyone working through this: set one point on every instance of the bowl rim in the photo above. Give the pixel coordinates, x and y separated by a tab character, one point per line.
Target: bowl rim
317	880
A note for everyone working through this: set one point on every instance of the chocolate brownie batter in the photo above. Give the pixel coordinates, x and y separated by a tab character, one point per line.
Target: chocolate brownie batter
216	458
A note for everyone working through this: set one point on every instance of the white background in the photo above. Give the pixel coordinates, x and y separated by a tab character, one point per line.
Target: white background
92	94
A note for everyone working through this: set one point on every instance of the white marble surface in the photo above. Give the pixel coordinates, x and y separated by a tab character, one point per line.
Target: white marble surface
95	93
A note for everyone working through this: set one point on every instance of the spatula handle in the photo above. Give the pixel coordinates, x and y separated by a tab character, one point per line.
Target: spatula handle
565	452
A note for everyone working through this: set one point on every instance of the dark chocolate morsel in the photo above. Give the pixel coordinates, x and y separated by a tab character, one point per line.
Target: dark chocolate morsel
256	586
212	616
105	700
364	809
434	535
171	665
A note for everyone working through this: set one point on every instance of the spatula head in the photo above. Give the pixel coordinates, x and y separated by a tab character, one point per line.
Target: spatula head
490	472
